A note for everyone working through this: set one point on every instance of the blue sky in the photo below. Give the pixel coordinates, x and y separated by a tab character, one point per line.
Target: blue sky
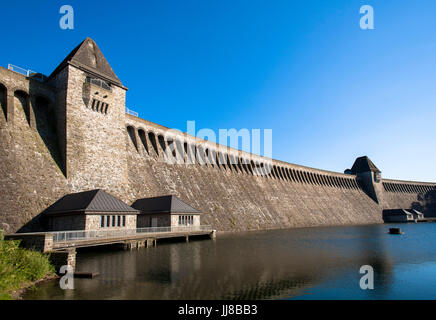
329	91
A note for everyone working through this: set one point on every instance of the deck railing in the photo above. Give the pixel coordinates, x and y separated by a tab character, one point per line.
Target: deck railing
67	236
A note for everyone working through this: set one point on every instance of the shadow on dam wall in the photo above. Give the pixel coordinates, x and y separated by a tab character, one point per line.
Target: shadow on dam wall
426	203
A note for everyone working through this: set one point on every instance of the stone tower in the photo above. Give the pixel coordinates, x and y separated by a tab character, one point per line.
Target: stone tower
90	113
369	176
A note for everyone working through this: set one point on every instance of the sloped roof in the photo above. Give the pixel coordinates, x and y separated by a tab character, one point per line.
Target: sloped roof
363	164
88	56
89	201
163	204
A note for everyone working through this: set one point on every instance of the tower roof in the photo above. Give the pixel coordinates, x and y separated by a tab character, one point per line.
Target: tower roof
163	204
363	164
89	201
88	57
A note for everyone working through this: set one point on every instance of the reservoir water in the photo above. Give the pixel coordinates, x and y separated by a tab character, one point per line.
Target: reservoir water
309	263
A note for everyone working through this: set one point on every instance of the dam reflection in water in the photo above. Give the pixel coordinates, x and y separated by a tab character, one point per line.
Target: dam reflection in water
311	263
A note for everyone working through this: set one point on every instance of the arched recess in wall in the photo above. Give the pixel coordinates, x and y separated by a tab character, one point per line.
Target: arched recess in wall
315	178
343	183
310	177
294	173
288	173
193	153
152	139
201	156
280	170
250	166
285	176
323	180
221	160
131	132
297	174
293	177
254	170
180	155
45	121
22	105
161	144
320	181
240	165
188	154
207	157
305	177
274	172
171	147
4	100
265	170
142	136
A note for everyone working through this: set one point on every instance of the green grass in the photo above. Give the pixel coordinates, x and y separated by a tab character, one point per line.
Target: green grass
19	267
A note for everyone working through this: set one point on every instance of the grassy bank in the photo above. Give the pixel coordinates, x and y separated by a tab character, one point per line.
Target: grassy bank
20	267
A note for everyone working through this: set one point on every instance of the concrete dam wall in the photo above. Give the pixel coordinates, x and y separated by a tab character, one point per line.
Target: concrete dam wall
70	133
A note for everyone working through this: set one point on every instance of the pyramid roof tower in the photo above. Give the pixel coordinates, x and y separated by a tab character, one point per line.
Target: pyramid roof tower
363	164
88	57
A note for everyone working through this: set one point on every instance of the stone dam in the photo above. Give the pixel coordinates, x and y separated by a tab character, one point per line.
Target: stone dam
69	132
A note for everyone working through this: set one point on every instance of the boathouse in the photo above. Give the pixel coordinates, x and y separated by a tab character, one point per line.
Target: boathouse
90	210
398	215
165	211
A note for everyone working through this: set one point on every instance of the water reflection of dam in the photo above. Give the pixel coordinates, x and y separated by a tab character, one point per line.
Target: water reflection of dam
257	266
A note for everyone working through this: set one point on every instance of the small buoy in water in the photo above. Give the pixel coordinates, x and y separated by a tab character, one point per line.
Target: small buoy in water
395	231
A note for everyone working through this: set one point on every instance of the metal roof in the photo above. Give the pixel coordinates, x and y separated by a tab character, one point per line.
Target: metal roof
88	56
163	204
97	201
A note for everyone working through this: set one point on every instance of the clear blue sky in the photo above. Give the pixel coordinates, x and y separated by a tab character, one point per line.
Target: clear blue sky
330	91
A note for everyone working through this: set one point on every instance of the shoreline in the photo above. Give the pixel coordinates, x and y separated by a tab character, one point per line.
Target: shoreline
18	294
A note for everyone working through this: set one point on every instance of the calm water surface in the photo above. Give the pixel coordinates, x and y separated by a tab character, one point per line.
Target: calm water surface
310	263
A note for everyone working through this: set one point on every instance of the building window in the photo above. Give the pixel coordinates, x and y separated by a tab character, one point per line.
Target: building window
102	221
119	221
186	220
108	221
124	221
